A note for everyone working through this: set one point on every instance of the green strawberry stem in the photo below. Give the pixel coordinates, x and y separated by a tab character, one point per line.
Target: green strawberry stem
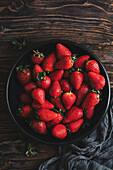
95	91
31	150
74	57
41	76
37	53
22	68
73	69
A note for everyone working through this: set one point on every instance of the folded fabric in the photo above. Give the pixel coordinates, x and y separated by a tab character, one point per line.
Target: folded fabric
95	152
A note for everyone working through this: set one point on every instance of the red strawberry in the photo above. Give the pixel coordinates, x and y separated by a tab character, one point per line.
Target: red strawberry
59	131
46	114
90	100
74	126
46	105
64	63
38	94
43	80
89	112
76	79
37	57
93	66
55	89
80	61
81	92
49	62
26	98
66	74
56	75
97	81
62	51
23	74
73	114
29	87
37	69
86	77
58	103
39	127
55	121
66	85
68	99
25	111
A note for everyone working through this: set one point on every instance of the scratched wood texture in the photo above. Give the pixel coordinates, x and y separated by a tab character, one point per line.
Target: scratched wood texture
87	22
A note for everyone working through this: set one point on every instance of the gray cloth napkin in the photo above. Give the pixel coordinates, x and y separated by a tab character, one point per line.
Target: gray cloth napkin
95	152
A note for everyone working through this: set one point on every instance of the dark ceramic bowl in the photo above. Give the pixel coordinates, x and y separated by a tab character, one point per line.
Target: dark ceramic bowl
14	89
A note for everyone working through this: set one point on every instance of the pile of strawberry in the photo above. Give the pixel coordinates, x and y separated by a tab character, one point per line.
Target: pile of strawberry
60	91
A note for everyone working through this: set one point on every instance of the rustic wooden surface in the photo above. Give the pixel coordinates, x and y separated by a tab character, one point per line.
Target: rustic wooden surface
87	22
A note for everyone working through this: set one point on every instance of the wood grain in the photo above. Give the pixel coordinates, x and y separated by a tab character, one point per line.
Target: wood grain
89	22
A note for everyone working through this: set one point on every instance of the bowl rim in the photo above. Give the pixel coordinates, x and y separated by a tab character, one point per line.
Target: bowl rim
7	91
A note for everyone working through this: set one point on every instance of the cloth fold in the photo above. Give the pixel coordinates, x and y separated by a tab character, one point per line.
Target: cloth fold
95	151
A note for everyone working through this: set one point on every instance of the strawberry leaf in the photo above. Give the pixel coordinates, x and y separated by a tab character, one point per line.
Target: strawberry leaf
31	150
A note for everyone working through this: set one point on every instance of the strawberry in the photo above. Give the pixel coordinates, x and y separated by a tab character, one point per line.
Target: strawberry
56	75
97	81
37	57
46	105
80	61
57	103
38	94
39	127
25	111
66	74
59	131
30	86
93	66
64	63
55	121
68	99
73	114
90	100
62	51
43	80
74	126
26	98
46	114
85	77
76	79
66	85
37	69
81	92
23	74
89	112
49	62
55	89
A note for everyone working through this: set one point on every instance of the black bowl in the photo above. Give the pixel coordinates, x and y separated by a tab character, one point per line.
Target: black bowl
14	89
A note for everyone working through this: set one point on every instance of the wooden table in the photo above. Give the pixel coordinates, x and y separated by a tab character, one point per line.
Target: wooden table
87	22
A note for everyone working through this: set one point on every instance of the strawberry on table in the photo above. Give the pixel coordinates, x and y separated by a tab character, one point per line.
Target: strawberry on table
30	87
64	63
55	89
37	69
49	62
43	81
38	94
76	78
46	105
73	114
62	51
80	61
39	127
24	74
26	98
89	112
68	99
37	57
55	121
97	81
74	126
59	131
46	114
56	75
93	66
90	100
66	85
57	102
25	111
